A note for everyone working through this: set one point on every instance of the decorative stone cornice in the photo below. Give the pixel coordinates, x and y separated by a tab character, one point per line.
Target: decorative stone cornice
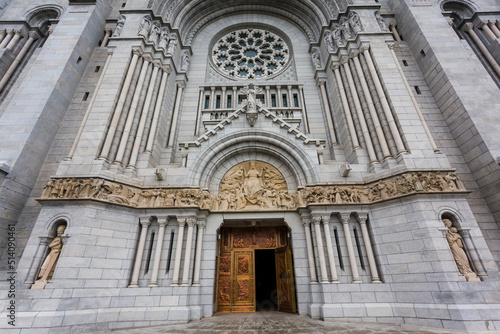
405	184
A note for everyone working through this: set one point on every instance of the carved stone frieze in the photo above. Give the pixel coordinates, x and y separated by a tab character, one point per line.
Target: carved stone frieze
253	186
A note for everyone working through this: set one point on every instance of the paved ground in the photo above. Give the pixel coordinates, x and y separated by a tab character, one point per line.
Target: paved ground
278	323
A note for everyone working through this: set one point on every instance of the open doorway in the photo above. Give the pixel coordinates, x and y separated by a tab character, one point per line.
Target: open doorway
265	280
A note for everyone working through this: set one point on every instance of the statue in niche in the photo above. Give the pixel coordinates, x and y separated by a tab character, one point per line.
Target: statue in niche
327	37
316	58
172	44
345	28
186	59
457	249
163	39
145	26
337	35
355	22
154	33
119	26
50	262
380	20
252	103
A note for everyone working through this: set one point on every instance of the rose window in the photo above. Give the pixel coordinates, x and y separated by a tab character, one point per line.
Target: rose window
250	54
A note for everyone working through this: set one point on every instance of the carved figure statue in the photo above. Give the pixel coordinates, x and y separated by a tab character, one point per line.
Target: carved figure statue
345	28
172	44
355	22
337	35
163	39
380	20
186	58
457	249
327	37
49	264
154	33
316	58
119	26
145	26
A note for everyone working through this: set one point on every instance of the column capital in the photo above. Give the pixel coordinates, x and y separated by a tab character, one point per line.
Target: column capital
137	51
18	32
321	82
325	219
289	87
166	69
344	60
157	63
482	23
362	217
390	46
32	34
353	53
268	87
491	22
201	222
468	26
212	89
181	221
181	84
110	52
344	217
162	221
145	221
147	57
306	221
224	88
335	66
191	221
108	31
316	219
3	32
364	47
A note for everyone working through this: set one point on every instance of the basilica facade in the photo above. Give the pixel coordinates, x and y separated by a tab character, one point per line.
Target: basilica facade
162	161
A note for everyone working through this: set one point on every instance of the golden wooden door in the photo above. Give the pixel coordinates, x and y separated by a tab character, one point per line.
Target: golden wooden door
243	281
284	280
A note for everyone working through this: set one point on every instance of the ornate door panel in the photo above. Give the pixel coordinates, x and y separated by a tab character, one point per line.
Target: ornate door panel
224	283
243	282
284	280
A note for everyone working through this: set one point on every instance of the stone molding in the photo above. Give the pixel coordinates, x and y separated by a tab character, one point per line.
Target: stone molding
401	185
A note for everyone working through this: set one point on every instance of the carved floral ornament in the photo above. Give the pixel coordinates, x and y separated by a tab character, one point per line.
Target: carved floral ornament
252	186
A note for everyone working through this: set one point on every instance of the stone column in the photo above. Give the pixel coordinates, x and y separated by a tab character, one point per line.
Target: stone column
483	25
42	246
329	249
279	103
131	112
328	112
235	97
304	111
469	27
472	252
90	106
119	106
144	115
212	98
178	251
156	114
316	220
306	222
395	33
223	98
344	217
362	217
268	96
383	100
494	28
362	121
347	109
187	254
7	39
199	113
162	222
199	245
145	222
413	100
107	35
173	128
371	106
13	41
290	99
33	35
3	33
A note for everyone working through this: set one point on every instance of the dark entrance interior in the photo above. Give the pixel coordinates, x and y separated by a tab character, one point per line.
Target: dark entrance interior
265	280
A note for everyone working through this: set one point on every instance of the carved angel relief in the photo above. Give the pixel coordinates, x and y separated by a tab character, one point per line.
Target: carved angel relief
254	185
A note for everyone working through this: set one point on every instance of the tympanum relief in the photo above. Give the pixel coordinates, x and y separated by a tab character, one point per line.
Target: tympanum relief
253	186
